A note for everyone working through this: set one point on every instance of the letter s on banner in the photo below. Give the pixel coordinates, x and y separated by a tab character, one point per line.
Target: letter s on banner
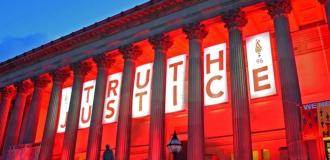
112	97
215	75
260	66
64	109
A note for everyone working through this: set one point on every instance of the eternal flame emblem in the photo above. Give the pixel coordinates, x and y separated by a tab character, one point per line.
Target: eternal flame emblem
258	50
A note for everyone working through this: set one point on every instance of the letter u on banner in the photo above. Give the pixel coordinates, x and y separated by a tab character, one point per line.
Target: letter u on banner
141	93
260	66
86	107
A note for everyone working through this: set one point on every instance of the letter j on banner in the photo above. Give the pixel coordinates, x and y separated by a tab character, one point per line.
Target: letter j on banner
260	66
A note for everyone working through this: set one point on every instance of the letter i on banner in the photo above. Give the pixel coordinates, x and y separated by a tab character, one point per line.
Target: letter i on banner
215	75
112	96
142	89
260	66
175	83
87	104
64	109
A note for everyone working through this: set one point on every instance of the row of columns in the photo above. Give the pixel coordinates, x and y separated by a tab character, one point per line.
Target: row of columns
234	21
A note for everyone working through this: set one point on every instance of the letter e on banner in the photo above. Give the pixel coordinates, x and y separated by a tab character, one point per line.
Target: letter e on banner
215	75
86	108
141	93
112	96
260	66
175	79
64	109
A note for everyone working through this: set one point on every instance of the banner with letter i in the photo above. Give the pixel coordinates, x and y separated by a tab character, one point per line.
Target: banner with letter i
260	66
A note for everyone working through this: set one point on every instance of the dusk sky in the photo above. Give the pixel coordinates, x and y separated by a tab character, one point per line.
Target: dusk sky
25	25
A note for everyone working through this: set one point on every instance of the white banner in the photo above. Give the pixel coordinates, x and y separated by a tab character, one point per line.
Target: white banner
112	98
175	84
87	99
215	75
141	94
260	66
64	109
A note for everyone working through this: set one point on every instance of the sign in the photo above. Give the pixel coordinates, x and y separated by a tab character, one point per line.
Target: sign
316	120
175	83
87	98
112	98
142	89
215	75
260	66
64	109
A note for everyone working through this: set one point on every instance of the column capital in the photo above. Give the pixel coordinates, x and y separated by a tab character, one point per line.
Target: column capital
322	1
195	31
24	86
41	81
235	18
8	91
160	41
278	7
104	61
130	51
60	75
81	68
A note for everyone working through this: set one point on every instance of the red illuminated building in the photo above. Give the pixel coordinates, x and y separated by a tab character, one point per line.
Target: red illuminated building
244	79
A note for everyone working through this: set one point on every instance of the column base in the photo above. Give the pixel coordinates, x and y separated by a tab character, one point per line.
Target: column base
297	150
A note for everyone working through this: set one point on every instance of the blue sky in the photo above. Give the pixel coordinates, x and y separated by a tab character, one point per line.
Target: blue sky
25	24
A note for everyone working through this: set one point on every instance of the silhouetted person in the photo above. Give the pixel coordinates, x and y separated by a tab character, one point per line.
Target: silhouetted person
108	154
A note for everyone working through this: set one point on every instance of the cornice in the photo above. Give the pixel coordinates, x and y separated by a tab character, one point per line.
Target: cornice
124	20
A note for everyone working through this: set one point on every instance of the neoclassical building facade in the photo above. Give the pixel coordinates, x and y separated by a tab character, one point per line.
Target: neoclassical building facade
235	79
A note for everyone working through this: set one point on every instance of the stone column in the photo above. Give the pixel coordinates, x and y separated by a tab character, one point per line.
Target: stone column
234	21
103	62
58	76
326	4
25	117
80	70
7	94
195	33
40	83
291	97
160	45
123	142
16	116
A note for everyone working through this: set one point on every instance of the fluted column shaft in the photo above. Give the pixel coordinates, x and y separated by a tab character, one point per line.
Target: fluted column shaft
31	126
70	135
25	118
95	131
291	97
123	139
195	33
234	20
326	4
160	44
47	142
16	116
327	10
7	94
